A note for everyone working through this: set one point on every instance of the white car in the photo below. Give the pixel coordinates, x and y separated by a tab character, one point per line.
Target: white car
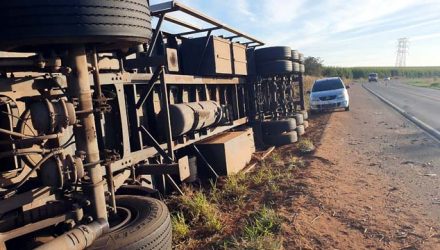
329	94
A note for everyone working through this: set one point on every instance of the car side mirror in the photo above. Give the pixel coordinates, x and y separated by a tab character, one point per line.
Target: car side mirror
308	92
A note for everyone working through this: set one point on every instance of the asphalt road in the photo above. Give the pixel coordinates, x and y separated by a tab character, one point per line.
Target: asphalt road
423	103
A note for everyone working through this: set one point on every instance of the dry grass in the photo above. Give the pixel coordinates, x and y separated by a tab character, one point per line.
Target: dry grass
305	146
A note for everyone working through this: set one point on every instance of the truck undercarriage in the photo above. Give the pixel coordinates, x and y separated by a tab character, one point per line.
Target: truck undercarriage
99	113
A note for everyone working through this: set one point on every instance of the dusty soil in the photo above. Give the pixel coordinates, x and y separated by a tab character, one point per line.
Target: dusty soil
373	183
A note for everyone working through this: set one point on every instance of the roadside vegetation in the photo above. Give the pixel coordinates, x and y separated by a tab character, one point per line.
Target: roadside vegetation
433	83
242	211
315	67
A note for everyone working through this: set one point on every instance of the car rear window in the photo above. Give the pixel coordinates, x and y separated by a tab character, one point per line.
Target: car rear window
327	85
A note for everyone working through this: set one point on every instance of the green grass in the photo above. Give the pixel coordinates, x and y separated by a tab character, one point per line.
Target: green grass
180	227
199	210
424	82
260	231
305	146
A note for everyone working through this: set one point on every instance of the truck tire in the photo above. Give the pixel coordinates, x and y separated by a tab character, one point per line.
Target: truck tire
281	139
306	124
138	191
278	126
301	58
28	26
299	119
296	67
148	228
273	53
305	114
275	67
300	130
295	55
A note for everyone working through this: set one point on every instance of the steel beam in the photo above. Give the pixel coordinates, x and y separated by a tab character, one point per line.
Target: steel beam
167	7
181	23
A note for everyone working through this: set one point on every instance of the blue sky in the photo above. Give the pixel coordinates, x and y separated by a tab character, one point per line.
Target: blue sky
341	32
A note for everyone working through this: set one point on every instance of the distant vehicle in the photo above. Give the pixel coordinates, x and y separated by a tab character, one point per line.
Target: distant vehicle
373	77
387	79
328	94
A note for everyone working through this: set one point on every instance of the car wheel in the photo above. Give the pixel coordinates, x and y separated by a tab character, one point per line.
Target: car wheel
347	108
143	223
42	24
281	139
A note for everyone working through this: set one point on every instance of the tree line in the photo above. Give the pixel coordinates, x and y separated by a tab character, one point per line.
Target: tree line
315	67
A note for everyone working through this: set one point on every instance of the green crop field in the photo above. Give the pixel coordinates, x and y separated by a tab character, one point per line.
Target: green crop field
362	72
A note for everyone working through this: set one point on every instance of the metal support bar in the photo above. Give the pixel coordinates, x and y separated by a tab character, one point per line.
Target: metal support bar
204	51
231	37
174	184
165	106
155	35
96	77
205	161
181	23
156	145
198	31
85	135
149	88
167	7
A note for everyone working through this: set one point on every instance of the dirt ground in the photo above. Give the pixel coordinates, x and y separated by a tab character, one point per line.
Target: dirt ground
373	183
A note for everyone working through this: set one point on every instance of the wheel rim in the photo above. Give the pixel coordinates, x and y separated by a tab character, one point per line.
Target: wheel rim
122	218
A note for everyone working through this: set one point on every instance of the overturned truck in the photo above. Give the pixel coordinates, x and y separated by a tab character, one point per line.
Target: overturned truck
101	115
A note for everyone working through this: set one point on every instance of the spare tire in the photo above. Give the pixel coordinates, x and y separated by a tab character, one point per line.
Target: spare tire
299	119
305	114
275	67
306	124
301	57
295	55
273	54
300	129
34	25
296	67
278	126
148	227
281	139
